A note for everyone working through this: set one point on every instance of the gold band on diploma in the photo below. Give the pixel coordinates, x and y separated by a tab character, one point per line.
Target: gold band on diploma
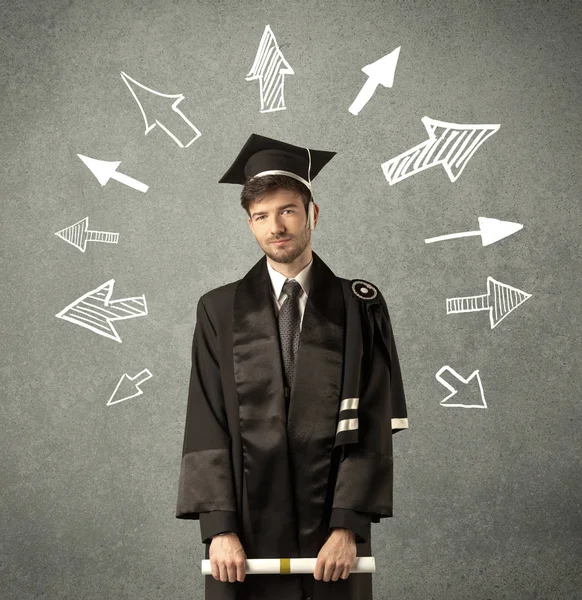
284	566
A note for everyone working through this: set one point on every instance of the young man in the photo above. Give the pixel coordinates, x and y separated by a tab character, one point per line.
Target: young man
295	392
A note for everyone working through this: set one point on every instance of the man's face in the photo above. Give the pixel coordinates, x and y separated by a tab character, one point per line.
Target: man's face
280	215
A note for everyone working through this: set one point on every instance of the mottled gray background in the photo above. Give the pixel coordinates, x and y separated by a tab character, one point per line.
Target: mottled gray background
487	502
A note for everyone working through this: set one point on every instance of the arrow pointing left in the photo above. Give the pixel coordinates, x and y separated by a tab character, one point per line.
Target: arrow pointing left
96	311
79	234
105	170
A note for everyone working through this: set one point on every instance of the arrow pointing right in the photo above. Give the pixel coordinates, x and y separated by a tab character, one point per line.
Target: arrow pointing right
449	144
490	230
500	300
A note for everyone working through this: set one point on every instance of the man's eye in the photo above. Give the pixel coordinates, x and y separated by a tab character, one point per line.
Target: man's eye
287	209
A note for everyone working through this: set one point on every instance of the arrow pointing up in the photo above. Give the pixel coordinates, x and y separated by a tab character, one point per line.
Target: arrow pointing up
105	170
380	72
181	125
270	68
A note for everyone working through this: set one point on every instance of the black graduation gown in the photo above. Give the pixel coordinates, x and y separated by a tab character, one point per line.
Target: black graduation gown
278	477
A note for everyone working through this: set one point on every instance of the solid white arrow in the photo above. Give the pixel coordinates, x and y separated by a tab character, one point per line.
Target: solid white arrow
105	170
490	230
380	72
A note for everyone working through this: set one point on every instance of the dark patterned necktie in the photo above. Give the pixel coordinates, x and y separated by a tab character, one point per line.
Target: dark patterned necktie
289	320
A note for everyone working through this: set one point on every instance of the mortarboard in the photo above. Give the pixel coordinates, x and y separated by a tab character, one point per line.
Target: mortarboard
265	156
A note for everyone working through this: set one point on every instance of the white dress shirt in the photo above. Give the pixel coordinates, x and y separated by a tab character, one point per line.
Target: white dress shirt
278	279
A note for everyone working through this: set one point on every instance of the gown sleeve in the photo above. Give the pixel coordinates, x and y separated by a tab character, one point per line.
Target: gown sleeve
365	472
205	486
355	521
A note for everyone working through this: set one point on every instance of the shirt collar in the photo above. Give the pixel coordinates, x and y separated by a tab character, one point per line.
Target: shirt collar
278	279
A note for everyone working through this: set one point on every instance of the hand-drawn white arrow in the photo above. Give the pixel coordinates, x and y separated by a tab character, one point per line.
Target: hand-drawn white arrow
105	170
95	311
451	387
78	235
448	144
505	300
379	72
177	123
270	68
130	384
490	230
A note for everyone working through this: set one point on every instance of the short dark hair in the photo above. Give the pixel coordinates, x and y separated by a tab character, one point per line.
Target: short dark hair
254	188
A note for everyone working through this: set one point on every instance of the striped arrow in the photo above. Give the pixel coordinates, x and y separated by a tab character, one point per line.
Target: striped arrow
505	300
270	68
78	235
449	144
96	311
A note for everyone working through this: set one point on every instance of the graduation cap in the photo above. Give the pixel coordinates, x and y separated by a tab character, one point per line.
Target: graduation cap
262	156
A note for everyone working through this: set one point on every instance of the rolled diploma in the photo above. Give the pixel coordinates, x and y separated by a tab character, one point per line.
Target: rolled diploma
284	566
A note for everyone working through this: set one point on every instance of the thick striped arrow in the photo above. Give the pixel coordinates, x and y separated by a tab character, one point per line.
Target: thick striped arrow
96	311
500	300
270	68
449	144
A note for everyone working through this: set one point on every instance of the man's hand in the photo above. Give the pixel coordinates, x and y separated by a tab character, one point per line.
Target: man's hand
337	556
227	558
